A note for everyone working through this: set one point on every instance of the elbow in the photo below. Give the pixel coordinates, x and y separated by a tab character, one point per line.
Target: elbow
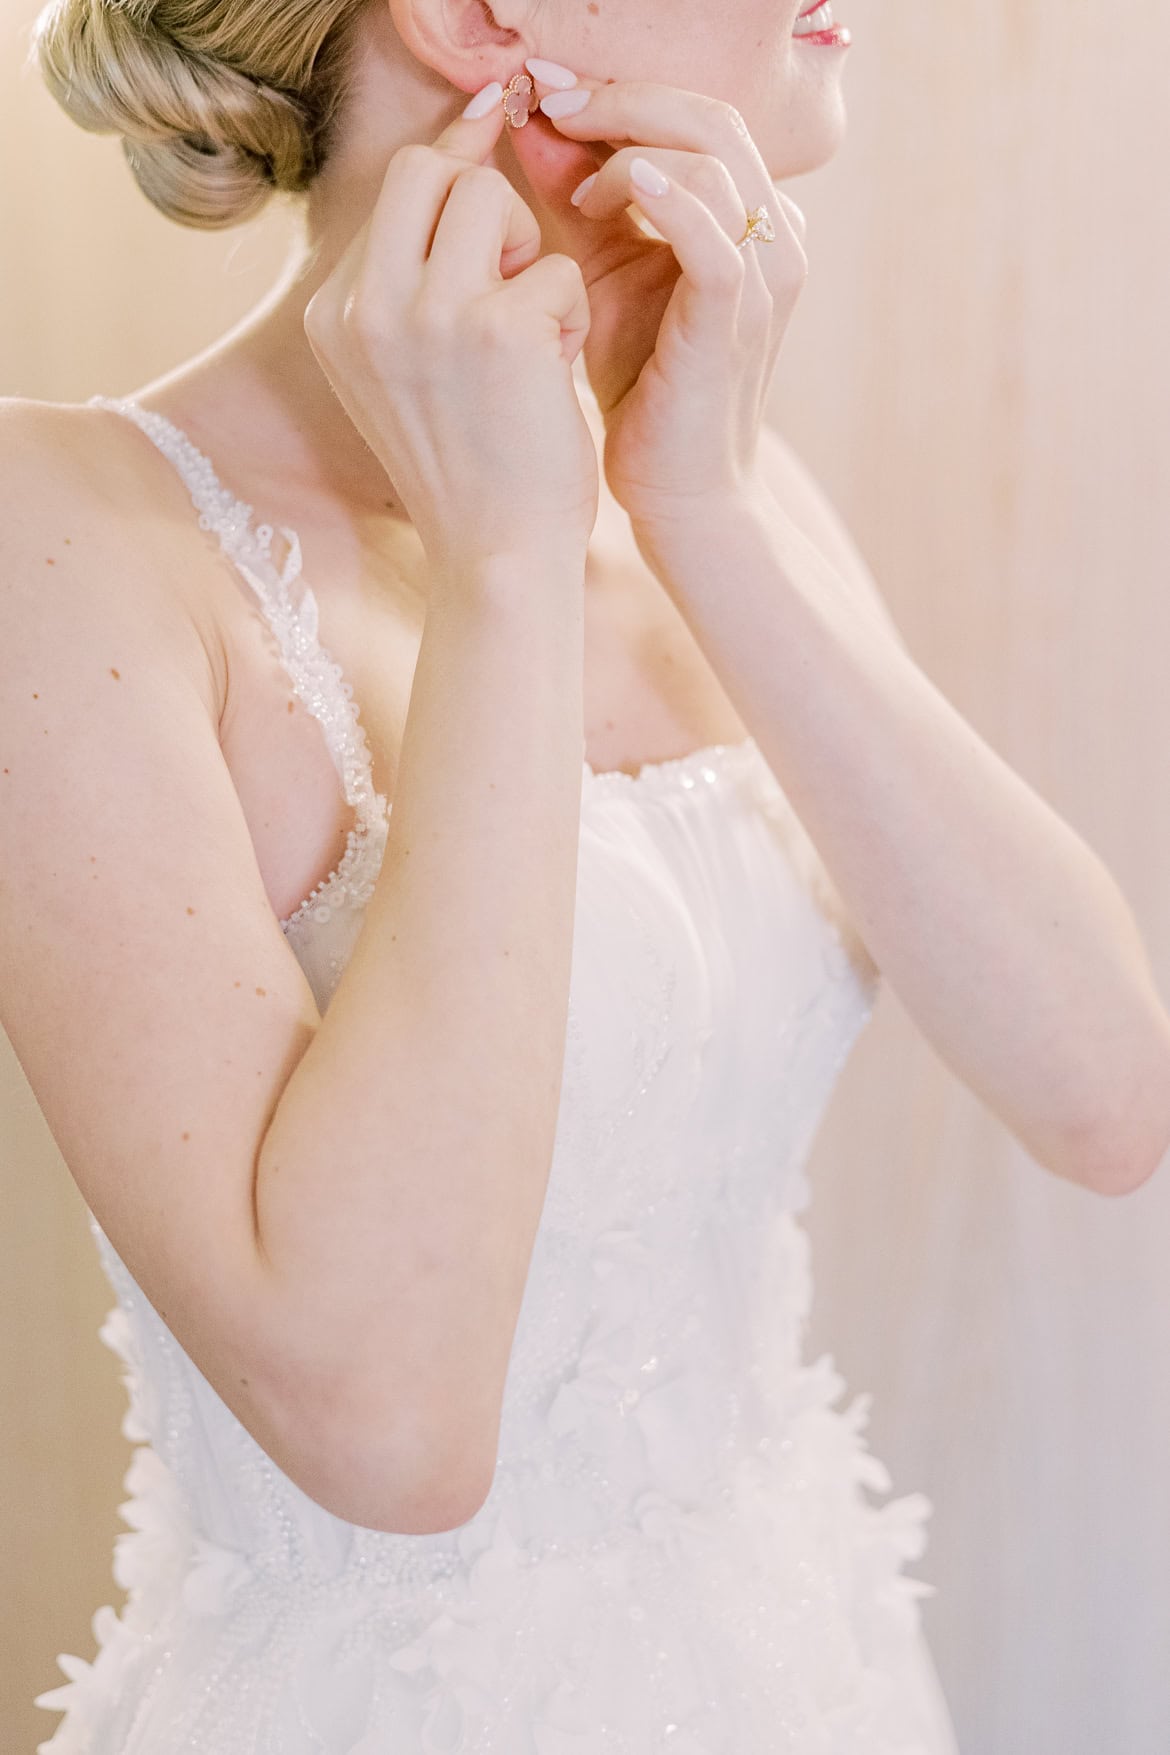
1123	1160
444	1495
1119	1151
1118	1134
386	1482
349	1437
444	1501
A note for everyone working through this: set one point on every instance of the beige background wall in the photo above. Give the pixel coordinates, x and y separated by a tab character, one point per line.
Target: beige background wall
979	374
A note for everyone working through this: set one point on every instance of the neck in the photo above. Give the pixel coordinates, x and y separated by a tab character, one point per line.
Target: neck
259	394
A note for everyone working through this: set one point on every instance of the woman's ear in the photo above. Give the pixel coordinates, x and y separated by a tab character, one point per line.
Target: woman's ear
467	42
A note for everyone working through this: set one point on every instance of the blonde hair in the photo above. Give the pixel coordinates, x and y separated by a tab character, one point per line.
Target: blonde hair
219	103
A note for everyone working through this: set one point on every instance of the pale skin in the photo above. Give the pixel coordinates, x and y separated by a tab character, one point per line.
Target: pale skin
1047	1011
357	1234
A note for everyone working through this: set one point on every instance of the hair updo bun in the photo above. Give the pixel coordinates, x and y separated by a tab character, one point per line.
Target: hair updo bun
219	102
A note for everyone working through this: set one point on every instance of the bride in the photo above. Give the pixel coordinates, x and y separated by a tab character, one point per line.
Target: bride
440	1084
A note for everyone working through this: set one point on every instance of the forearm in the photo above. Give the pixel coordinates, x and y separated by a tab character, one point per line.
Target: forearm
402	1178
1001	931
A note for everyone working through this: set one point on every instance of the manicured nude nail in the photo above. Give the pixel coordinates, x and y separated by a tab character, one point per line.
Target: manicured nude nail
564	103
551	73
582	189
647	177
484	101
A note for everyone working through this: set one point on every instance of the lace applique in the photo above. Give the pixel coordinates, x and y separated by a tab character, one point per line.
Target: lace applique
676	1547
290	608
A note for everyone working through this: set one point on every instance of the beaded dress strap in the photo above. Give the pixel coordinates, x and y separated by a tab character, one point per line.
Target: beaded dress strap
290	609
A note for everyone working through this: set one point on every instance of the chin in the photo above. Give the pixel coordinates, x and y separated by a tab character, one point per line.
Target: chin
808	141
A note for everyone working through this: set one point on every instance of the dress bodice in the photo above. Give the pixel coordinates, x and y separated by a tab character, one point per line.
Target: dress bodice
657	1413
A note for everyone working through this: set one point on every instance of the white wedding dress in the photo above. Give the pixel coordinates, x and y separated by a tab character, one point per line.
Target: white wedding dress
680	1552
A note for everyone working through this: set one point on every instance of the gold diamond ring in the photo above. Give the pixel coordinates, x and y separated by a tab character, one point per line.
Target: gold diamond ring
760	229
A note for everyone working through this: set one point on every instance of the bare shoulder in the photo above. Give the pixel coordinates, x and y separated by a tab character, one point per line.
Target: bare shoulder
50	458
803	497
52	450
65	460
87	504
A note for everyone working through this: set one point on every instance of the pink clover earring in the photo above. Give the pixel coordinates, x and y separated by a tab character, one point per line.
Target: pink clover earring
520	99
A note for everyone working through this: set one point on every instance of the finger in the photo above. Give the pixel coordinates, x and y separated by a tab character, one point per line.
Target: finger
794	213
554	286
484	228
417	182
609	194
771	271
663	115
707	297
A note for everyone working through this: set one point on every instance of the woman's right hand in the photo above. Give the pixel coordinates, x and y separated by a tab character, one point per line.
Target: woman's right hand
449	341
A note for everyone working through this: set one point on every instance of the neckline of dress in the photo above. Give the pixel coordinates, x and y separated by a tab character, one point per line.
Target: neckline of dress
710	762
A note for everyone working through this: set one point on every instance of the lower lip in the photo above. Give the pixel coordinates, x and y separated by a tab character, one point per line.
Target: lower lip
839	37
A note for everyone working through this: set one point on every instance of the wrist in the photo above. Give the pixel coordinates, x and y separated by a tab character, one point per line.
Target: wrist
537	562
701	526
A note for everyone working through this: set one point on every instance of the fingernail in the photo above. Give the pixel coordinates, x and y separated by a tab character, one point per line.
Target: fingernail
647	177
484	101
564	103
551	73
582	189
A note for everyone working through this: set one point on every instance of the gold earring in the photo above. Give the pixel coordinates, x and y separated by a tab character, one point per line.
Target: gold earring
520	99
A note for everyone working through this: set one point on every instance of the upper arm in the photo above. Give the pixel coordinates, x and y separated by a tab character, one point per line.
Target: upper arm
798	491
145	984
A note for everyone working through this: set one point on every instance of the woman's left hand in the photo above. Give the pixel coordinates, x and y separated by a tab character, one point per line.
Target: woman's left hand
685	334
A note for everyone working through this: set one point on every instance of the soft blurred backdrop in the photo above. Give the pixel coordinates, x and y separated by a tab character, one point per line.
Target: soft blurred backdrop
980	376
